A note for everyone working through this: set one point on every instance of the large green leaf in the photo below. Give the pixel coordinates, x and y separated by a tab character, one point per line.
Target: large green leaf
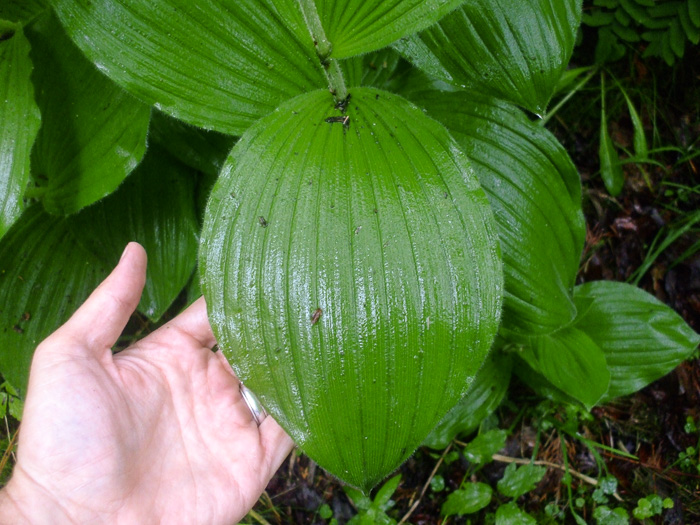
352	276
515	49
356	27
535	192
19	118
156	207
219	64
485	394
92	135
642	338
45	274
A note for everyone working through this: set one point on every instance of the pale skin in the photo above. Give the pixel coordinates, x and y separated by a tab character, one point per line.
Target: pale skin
157	433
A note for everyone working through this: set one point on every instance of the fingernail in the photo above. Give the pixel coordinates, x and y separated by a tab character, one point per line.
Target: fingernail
126	250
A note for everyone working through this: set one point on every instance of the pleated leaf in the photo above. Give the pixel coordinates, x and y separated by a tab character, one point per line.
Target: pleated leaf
219	64
156	207
45	274
373	69
352	276
485	394
523	368
20	120
535	192
514	49
642	338
572	362
356	27
93	134
201	149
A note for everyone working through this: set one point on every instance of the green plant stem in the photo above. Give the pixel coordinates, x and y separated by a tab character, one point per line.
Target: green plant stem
564	100
331	67
35	192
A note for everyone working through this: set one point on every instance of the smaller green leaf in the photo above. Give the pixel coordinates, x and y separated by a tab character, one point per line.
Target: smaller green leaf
610	4
471	498
437	484
535	192
641	149
692	32
219	65
635	10
361	501
573	363
608	48
607	516
642	338
156	207
694	11
325	512
20	120
193	289
357	27
677	38
92	135
664	9
16	407
482	448
607	485
413	49
387	490
598	18
198	148
610	167
517	481
485	394
525	368
511	514
513	49
21	11
628	34
45	274
374	69
623	19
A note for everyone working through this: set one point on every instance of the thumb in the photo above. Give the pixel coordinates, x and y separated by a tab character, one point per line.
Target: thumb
99	322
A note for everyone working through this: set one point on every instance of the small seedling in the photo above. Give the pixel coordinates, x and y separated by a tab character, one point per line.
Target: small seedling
10	402
374	512
651	506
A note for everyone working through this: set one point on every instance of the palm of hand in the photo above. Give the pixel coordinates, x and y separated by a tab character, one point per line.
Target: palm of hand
156	433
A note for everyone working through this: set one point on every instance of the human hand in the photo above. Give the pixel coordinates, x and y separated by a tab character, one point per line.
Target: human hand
158	433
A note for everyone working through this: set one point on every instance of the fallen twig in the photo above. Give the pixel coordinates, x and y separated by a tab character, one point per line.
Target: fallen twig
414	506
549	464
